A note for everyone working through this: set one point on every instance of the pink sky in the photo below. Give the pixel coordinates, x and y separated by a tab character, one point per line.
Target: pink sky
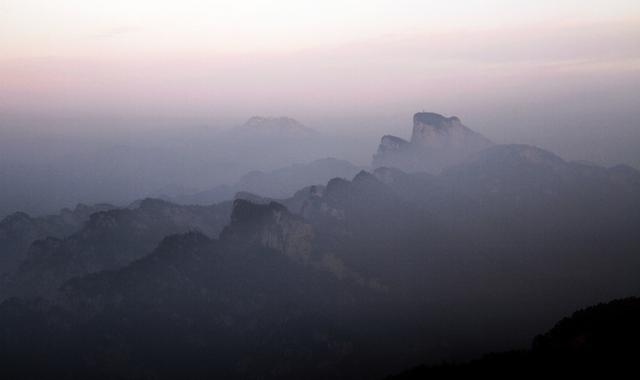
212	60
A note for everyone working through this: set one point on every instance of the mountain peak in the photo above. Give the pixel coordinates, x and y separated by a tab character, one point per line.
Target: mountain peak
434	119
280	124
436	131
337	187
436	142
271	226
245	211
364	176
390	143
17	217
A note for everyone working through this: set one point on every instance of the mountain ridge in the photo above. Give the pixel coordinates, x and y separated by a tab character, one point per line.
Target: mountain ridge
436	143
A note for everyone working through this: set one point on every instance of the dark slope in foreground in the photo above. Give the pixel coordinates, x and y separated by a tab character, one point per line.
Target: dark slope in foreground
196	307
601	339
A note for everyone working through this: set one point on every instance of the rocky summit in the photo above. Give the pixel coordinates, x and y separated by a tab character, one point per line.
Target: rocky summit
437	142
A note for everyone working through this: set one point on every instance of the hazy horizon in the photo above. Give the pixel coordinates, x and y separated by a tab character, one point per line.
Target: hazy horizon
300	189
561	76
81	82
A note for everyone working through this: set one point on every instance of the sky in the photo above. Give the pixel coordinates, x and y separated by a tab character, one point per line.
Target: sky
90	28
515	70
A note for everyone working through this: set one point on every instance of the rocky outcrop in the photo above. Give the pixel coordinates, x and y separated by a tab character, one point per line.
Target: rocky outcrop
438	132
19	230
436	142
391	144
109	240
272	226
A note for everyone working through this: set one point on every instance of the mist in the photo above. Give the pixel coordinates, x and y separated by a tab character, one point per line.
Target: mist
567	87
258	189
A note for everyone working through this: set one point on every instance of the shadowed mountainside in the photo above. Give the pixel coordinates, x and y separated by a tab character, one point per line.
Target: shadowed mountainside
19	230
108	240
353	279
600	339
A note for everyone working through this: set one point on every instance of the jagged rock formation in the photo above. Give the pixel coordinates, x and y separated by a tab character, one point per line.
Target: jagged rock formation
108	240
355	279
436	142
272	226
438	132
530	192
242	303
19	230
390	144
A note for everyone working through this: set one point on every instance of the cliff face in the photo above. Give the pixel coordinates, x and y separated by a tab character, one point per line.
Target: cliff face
390	143
19	230
108	240
438	132
436	142
272	226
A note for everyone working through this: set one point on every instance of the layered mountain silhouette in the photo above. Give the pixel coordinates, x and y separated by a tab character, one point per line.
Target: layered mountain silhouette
279	183
274	126
247	303
19	230
354	277
271	142
173	160
108	240
436	142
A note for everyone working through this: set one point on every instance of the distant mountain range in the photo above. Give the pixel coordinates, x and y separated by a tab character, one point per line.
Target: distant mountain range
121	168
279	183
353	274
106	240
281	126
19	230
437	142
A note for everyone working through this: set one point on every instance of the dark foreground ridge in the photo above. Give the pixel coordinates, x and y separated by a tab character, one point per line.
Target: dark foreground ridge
601	338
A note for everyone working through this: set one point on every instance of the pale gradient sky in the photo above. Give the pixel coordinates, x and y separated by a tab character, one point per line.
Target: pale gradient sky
92	28
333	64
